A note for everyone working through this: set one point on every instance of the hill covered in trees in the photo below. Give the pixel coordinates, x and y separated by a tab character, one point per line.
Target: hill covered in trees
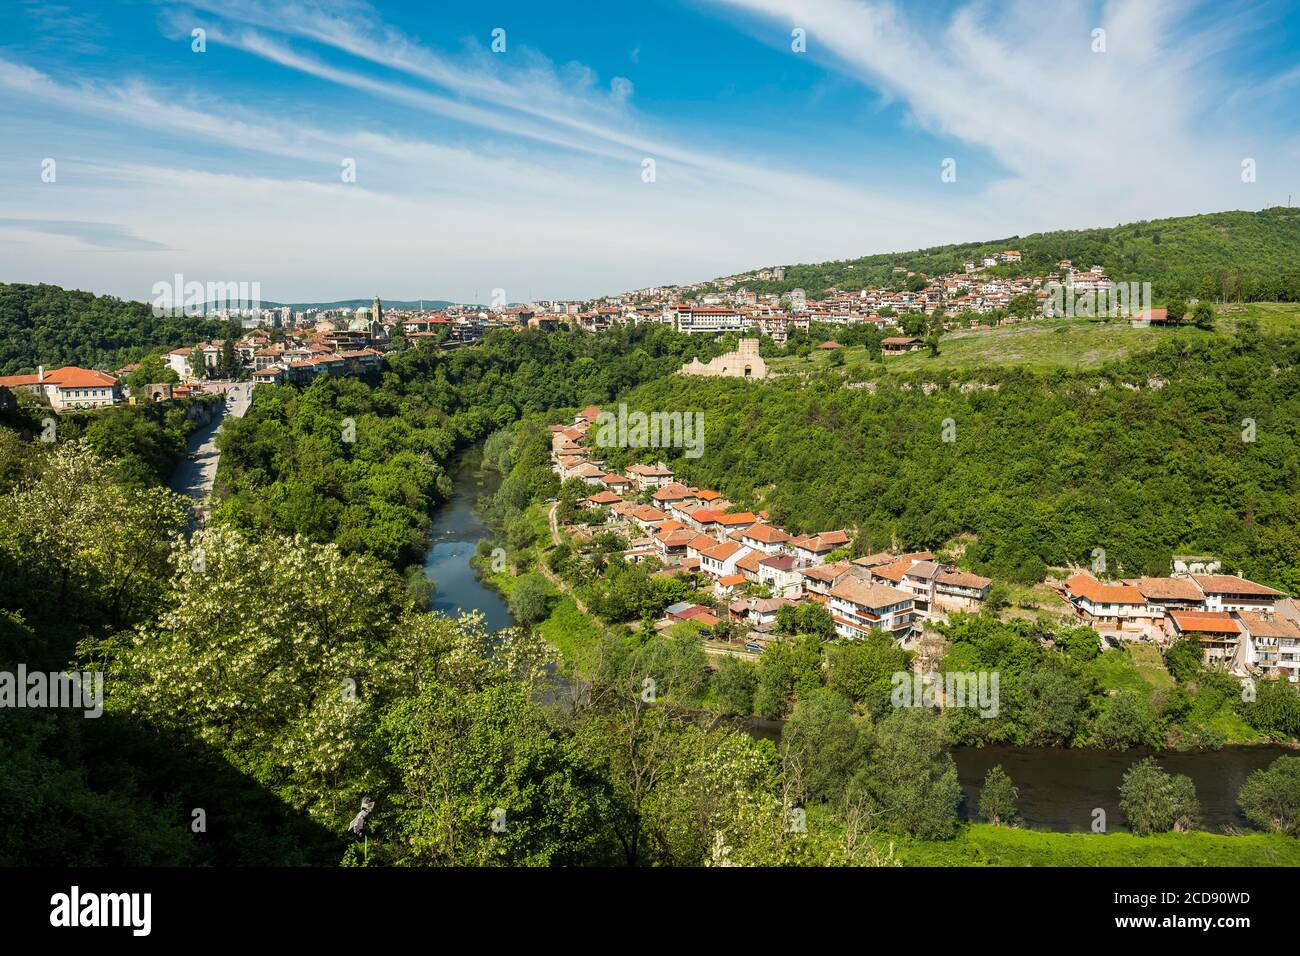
1192	446
48	325
1222	255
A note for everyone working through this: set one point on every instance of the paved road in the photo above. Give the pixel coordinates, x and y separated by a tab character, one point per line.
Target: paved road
196	471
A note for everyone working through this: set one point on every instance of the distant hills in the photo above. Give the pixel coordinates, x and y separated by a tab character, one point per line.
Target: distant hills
1227	255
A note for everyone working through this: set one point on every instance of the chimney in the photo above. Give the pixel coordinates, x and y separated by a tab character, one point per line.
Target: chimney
40	373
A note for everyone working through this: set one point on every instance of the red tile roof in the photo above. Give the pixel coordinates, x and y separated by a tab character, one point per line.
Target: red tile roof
1231	584
1085	585
1205	622
766	534
739	518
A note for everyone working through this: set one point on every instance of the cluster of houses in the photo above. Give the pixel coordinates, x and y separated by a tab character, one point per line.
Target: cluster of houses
296	358
697	531
726	304
1241	625
278	346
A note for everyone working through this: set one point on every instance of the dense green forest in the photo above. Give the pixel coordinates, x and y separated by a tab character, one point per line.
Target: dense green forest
1224	255
1191	447
293	465
50	326
266	675
260	685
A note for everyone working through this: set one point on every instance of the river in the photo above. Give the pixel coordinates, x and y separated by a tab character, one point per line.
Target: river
1059	787
457	530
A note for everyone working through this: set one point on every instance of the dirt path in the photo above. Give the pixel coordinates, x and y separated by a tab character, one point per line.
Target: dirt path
551	575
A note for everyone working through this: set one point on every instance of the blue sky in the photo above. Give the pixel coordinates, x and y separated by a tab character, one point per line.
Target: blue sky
523	170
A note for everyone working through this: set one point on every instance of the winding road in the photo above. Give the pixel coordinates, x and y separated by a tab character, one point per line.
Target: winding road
196	471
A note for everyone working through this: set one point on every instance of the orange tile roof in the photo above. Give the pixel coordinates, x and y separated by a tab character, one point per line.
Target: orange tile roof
766	534
869	595
963	579
721	552
893	571
15	381
1085	585
740	517
825	572
70	376
1205	622
1262	626
1169	589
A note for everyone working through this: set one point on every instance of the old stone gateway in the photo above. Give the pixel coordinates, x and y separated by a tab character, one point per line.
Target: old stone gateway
745	362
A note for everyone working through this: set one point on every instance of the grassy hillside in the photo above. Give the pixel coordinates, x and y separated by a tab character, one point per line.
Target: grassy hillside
980	844
1248	255
1047	344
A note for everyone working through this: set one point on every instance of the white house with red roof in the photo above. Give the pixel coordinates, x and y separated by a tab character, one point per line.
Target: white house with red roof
1228	592
69	388
858	607
719	560
764	537
1110	605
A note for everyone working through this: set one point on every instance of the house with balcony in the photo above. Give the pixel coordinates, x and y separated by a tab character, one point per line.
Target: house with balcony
920	579
859	606
1117	607
781	574
960	590
818	580
1273	643
1218	633
1169	594
649	476
1228	592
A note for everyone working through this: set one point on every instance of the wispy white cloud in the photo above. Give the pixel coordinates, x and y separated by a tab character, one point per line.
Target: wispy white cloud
96	235
528	175
1123	132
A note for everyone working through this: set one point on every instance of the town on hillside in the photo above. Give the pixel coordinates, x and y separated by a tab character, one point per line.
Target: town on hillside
282	344
754	568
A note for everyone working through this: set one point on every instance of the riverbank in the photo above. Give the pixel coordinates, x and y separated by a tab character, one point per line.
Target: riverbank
981	844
